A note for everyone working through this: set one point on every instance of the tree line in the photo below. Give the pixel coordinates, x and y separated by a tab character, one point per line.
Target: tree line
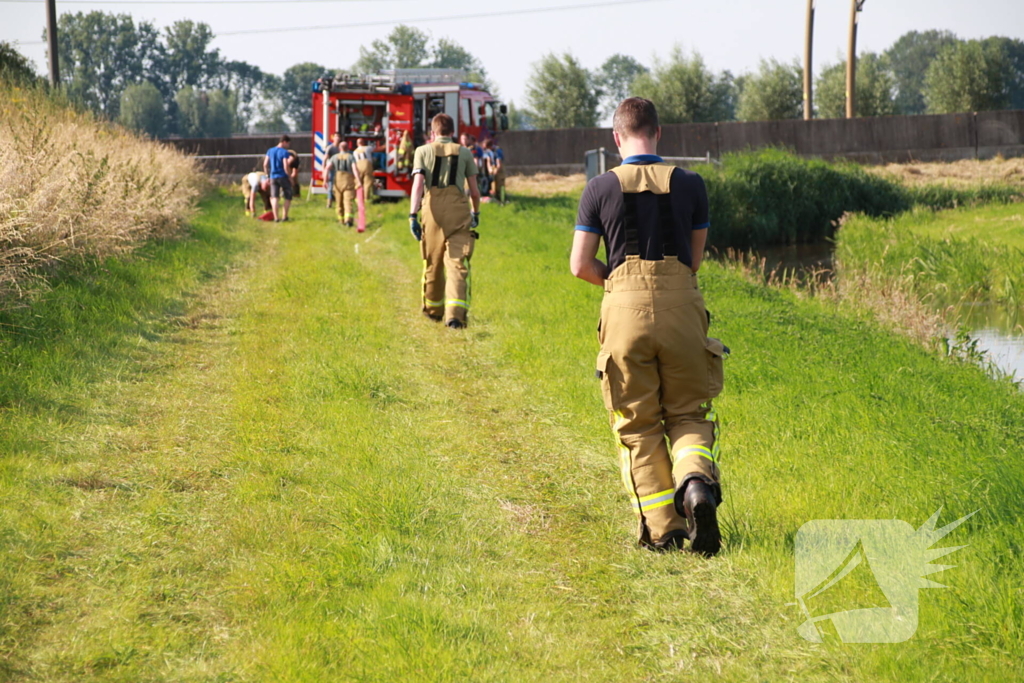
932	72
174	83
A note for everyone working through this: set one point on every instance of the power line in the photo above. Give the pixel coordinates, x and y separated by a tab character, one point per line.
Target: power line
455	17
364	24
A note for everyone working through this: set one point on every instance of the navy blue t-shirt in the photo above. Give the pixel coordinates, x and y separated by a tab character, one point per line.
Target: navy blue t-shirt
600	212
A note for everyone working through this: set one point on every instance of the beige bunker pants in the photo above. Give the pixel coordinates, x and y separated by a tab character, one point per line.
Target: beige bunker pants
659	373
446	247
344	194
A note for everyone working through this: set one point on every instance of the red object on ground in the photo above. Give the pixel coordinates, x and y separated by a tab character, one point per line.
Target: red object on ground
268	216
361	204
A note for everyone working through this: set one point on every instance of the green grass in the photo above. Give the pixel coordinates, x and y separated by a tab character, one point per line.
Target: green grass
285	473
963	255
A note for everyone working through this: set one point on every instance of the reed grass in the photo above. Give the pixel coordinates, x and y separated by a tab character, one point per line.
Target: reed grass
73	186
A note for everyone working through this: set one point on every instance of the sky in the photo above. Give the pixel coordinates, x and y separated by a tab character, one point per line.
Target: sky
731	35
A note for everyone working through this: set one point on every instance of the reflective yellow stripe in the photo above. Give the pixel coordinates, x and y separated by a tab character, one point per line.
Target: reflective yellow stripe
647	499
698	450
434	304
457	302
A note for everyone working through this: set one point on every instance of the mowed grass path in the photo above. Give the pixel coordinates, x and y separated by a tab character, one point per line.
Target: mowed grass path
247	457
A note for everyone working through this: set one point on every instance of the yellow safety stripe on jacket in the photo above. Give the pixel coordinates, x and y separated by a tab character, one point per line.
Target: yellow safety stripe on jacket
457	302
656	500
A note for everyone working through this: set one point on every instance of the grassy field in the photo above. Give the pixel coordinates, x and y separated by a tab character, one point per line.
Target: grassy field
247	457
962	255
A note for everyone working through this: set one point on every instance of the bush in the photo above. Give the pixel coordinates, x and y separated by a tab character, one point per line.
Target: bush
80	187
773	197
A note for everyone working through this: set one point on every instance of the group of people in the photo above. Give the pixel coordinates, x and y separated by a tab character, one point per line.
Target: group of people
346	173
659	370
490	161
277	184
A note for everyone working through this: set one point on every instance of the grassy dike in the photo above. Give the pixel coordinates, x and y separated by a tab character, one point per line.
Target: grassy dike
951	257
285	473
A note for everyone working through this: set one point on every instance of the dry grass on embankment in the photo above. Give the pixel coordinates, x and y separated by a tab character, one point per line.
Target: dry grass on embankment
545	184
74	186
964	173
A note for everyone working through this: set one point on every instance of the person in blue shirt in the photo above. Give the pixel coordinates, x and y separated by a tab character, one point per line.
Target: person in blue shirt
277	164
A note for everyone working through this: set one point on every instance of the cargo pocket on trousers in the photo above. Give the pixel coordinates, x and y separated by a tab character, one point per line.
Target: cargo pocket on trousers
716	353
604	363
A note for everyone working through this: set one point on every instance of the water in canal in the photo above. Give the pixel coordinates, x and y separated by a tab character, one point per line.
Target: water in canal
999	332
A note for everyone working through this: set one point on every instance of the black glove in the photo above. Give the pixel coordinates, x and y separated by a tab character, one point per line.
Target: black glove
475	223
414	227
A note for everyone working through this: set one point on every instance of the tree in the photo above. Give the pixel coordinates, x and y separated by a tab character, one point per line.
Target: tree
295	89
220	114
192	106
188	59
404	48
142	109
774	92
968	76
686	91
1013	50
247	85
101	54
519	118
561	93
874	89
908	60
14	66
615	79
450	55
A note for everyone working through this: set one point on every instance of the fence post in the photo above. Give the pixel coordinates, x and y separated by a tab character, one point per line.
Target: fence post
602	164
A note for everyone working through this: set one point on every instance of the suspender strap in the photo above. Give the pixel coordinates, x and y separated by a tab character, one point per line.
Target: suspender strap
435	177
629	221
453	169
667	225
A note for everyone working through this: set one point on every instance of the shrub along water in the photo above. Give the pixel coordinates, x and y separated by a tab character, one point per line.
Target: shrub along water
771	196
71	185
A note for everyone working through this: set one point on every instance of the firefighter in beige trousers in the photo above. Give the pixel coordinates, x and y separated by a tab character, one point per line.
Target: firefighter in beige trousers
364	169
659	370
447	236
340	167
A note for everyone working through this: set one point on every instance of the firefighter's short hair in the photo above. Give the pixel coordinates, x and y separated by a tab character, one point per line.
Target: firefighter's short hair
636	117
443	125
284	138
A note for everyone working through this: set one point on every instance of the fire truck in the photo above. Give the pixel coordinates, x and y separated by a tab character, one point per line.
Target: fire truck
393	110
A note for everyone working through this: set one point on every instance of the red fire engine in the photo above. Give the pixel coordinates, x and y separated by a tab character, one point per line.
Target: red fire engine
393	110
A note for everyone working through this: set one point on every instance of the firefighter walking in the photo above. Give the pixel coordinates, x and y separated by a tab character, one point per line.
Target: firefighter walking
659	370
440	170
364	169
340	166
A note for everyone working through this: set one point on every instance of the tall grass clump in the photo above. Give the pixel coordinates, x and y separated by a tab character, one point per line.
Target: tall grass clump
71	185
949	269
774	197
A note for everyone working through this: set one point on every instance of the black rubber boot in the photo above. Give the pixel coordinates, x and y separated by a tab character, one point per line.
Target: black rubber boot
456	324
700	510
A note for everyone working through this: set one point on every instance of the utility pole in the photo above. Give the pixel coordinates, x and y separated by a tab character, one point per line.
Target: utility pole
851	62
51	38
808	73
